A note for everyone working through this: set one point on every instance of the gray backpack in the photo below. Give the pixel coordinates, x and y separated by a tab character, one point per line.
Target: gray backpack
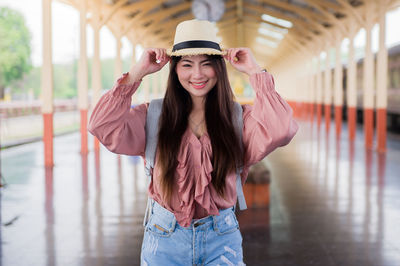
153	116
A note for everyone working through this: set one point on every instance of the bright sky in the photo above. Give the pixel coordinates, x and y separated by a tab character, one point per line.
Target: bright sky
66	32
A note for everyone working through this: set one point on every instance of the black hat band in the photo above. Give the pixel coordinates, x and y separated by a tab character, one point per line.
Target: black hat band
196	44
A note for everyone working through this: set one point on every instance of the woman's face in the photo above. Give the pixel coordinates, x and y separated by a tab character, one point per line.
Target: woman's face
196	74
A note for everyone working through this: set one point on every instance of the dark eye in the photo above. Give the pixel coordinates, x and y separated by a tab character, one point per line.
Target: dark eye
207	64
186	65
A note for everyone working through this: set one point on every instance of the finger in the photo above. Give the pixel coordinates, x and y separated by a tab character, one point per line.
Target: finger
225	55
157	53
151	51
228	51
231	54
163	63
164	54
152	55
228	54
161	56
243	55
145	58
235	55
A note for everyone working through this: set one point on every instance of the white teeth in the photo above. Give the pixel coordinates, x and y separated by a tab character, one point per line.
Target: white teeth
198	84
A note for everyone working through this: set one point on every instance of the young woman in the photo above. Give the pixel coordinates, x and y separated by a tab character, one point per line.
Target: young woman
193	186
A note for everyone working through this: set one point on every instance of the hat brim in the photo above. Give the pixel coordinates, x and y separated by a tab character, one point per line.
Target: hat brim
195	51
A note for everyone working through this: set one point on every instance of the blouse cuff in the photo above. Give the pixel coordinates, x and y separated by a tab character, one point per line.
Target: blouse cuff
262	82
124	90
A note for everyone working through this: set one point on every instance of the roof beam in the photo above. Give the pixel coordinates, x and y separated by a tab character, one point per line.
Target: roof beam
135	20
321	7
316	27
159	16
110	11
328	4
239	25
143	4
394	4
228	22
168	28
73	3
301	31
350	10
304	12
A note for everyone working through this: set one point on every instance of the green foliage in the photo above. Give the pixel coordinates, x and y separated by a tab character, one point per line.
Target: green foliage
15	47
29	82
107	73
65	78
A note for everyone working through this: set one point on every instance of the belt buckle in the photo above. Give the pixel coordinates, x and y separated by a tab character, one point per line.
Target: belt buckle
198	224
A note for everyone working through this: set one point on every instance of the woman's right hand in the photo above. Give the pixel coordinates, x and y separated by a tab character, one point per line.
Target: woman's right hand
152	60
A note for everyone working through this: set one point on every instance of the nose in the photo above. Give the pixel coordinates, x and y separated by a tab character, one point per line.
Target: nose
197	72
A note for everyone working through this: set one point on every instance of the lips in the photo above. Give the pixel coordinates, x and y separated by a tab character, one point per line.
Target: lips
199	85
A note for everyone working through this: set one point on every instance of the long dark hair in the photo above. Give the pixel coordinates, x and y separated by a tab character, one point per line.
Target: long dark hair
176	108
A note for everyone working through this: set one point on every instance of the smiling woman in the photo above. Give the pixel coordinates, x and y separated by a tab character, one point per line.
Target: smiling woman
198	144
197	75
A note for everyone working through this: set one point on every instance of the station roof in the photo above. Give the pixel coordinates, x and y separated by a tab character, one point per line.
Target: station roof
271	28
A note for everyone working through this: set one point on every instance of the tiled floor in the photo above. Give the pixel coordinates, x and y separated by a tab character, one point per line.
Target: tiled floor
331	204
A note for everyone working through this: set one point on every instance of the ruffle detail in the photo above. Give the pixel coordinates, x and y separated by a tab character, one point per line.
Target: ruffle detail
202	190
194	181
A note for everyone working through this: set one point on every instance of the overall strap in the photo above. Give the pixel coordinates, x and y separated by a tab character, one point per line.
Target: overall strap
152	118
237	120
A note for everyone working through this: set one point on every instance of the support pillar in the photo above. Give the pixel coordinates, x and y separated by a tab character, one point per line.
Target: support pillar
351	92
118	60
47	85
310	84
133	62
328	92
83	78
96	65
146	88
382	70
133	58
338	82
318	90
368	79
117	74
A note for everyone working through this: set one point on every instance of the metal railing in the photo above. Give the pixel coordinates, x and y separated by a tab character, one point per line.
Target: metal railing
34	107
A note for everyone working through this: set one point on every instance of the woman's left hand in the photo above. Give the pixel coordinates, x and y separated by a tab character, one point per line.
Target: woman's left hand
243	60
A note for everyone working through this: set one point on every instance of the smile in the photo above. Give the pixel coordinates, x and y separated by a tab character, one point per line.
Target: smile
199	85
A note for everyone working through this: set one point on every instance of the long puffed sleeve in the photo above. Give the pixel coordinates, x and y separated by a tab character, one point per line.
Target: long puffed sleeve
120	128
269	123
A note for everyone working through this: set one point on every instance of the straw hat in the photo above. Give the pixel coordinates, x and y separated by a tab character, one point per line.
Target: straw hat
193	37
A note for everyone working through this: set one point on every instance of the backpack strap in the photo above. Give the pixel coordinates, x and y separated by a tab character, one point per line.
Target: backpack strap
152	118
237	121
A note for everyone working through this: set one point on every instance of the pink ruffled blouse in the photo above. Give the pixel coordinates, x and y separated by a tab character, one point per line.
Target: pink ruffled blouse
267	124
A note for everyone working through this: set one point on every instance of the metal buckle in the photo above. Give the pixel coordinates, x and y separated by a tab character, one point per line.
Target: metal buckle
198	224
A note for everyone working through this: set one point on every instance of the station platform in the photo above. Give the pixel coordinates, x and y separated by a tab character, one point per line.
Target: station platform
331	203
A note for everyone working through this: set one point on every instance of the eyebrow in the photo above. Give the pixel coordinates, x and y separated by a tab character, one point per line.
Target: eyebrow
190	61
